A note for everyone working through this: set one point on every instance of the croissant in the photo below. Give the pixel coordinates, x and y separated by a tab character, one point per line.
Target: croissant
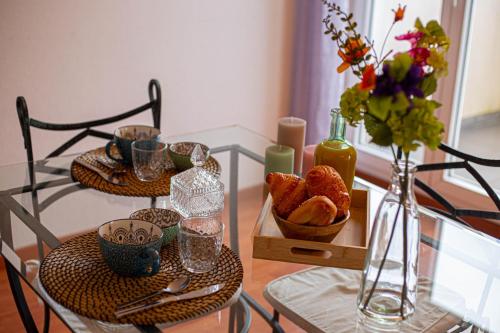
318	210
288	192
325	180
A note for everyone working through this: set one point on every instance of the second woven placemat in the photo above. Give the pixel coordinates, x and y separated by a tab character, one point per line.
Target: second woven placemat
135	187
76	276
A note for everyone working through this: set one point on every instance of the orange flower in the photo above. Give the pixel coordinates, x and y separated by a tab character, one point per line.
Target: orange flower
353	53
369	78
399	13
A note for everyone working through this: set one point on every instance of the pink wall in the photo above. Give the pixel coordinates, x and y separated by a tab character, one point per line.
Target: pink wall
219	62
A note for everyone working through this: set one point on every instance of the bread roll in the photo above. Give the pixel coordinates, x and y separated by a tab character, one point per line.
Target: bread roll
318	210
288	192
325	180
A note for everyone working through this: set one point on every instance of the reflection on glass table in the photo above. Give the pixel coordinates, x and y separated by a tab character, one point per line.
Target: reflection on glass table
467	276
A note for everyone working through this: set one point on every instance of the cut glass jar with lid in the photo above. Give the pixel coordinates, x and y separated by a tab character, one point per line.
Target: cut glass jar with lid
197	192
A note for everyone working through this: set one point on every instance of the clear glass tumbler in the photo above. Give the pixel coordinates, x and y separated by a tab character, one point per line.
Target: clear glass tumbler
148	157
200	242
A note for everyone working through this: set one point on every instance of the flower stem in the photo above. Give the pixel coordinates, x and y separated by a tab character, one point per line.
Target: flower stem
394	154
404	193
383	259
385	40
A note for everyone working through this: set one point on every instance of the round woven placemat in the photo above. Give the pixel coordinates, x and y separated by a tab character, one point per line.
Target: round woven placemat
135	187
76	276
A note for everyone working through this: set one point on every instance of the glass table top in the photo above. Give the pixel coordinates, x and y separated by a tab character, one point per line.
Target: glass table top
464	264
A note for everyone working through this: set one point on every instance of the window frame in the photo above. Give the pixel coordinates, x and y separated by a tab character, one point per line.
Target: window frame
456	17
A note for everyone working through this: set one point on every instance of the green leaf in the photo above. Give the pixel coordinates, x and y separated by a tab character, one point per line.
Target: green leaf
400	103
434	29
428	85
434	36
438	62
380	132
419	125
419	25
379	106
400	66
353	104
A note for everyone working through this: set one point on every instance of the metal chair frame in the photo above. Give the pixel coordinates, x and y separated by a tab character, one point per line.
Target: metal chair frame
450	210
26	122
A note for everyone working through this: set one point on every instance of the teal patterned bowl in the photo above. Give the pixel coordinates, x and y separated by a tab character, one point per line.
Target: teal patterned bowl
131	247
167	219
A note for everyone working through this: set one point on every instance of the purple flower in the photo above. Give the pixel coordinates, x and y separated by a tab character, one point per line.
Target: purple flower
387	86
412	80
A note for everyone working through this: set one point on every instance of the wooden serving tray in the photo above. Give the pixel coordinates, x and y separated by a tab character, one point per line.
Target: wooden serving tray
347	250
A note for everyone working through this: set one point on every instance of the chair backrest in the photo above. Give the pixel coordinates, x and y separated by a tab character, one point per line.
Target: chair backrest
26	122
461	161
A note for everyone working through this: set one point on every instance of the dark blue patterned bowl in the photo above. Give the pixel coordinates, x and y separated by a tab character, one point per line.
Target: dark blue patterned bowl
131	247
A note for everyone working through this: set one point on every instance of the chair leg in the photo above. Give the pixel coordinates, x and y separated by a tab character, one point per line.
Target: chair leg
17	292
276	319
232	316
46	318
263	313
240	317
239	320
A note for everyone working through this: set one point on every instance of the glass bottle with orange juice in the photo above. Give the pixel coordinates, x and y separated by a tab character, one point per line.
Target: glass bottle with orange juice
336	151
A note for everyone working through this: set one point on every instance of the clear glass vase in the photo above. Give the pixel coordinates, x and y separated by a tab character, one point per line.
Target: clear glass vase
389	283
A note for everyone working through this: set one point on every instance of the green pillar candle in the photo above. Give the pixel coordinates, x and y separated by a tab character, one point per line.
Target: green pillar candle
279	159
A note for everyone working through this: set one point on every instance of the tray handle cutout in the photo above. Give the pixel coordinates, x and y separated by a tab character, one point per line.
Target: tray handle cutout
301	252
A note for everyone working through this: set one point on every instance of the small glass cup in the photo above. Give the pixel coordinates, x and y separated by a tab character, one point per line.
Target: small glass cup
200	242
148	157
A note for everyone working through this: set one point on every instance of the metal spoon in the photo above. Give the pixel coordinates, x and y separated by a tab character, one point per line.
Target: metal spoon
173	287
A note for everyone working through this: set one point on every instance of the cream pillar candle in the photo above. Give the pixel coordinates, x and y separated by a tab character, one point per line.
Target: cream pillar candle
292	133
308	160
278	159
